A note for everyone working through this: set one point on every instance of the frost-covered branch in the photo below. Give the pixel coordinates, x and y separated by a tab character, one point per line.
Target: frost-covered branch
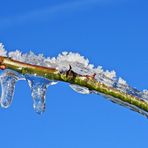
40	72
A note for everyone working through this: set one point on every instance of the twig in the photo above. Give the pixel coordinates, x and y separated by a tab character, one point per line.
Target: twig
70	76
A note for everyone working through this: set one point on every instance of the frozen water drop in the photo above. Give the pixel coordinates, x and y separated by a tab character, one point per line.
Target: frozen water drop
38	87
80	89
8	80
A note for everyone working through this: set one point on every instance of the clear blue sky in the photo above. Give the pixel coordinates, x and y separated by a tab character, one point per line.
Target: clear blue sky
110	33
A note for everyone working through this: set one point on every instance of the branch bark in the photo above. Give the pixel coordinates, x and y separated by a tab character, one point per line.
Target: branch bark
70	76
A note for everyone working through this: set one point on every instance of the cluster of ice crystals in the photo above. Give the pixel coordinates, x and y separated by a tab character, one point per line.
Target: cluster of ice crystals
122	81
145	94
3	52
79	63
110	74
15	55
30	57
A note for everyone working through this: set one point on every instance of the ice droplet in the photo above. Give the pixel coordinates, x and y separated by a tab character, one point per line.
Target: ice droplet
80	89
38	87
8	80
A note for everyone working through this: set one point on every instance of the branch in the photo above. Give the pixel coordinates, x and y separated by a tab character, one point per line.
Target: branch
72	77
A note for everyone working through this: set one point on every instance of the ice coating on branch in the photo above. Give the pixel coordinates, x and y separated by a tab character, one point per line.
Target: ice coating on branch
62	62
79	64
38	87
80	89
8	80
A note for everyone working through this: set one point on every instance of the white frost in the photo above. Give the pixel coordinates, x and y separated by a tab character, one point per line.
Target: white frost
15	55
122	81
145	94
3	52
64	60
110	74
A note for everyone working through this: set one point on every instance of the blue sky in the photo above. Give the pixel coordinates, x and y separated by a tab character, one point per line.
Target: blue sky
110	33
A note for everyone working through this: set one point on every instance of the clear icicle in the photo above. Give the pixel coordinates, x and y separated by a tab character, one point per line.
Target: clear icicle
80	89
8	80
38	87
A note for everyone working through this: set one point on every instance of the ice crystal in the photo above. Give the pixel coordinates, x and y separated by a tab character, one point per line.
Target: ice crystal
3	52
145	94
122	81
16	55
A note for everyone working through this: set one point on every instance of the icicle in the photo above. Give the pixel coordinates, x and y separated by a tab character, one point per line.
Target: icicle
38	87
80	89
8	80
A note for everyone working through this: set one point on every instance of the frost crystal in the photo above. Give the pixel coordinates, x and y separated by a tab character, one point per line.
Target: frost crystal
122	81
3	52
145	94
62	62
15	55
109	74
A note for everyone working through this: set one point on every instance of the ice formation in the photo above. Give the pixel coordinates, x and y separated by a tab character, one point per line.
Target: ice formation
80	89
39	85
3	52
8	79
